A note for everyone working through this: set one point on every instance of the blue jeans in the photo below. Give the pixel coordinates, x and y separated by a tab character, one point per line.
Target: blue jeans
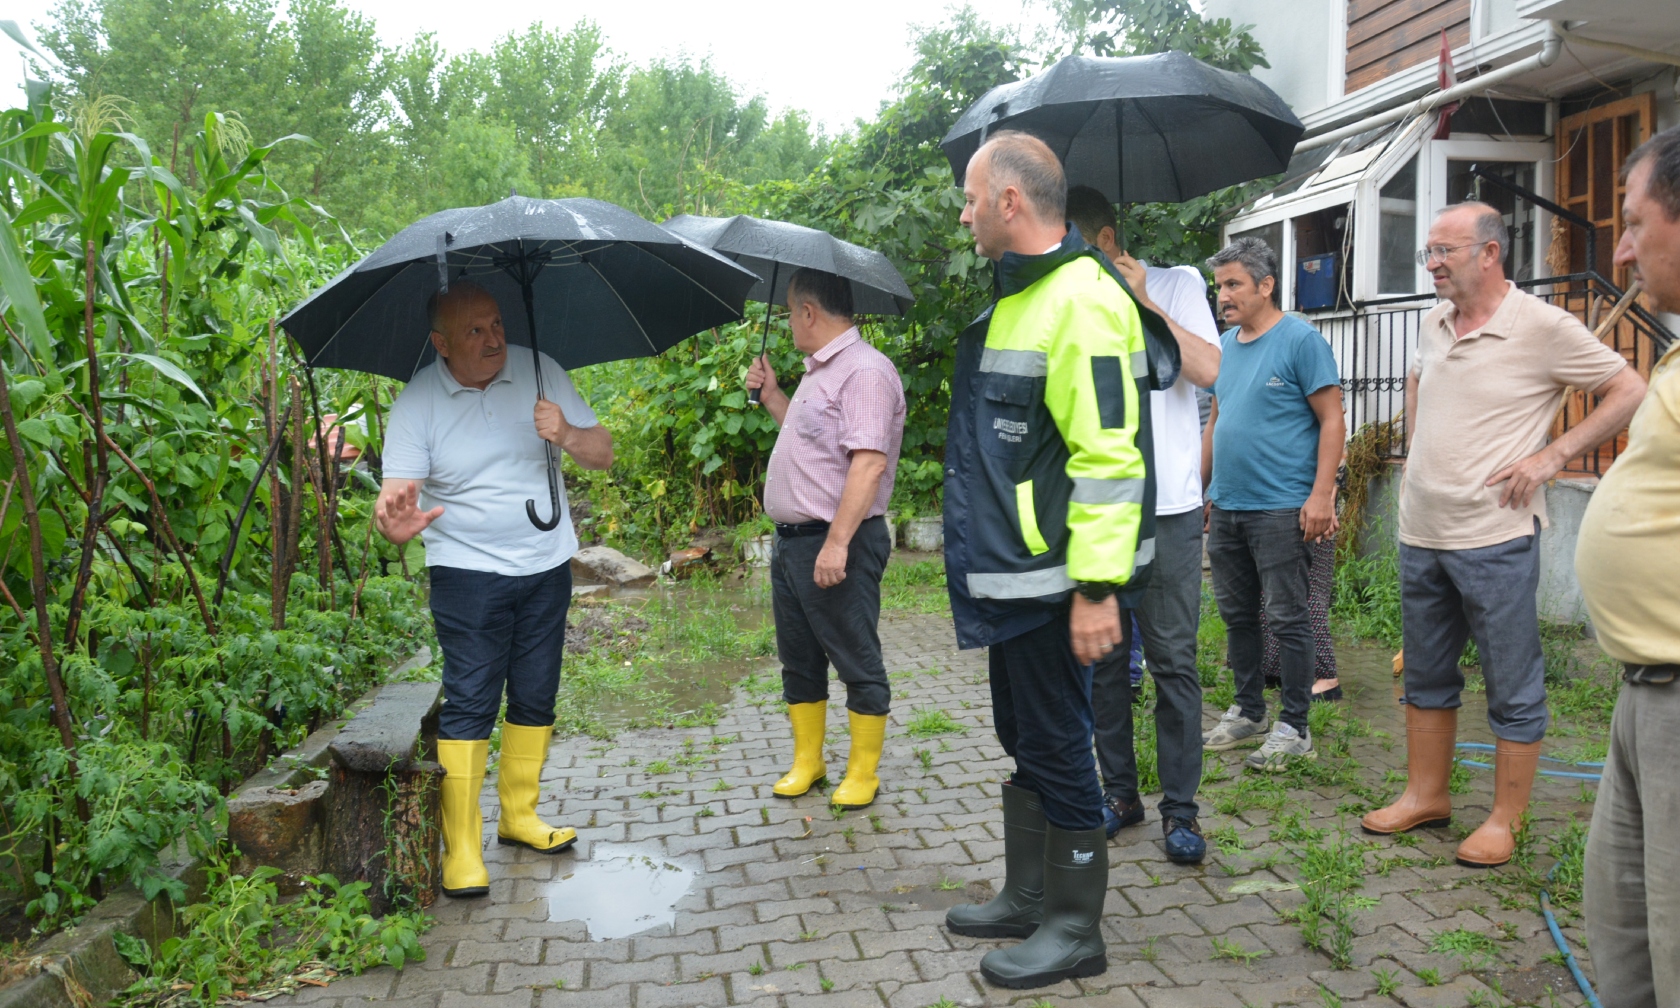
498	630
1041	707
1448	595
1255	553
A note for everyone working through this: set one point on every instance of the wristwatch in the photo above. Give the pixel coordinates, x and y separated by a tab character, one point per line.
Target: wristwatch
1095	591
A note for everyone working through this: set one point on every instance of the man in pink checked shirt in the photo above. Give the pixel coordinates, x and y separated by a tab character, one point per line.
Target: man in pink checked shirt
830	477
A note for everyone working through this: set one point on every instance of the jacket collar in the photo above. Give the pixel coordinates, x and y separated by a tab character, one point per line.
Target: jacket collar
1015	272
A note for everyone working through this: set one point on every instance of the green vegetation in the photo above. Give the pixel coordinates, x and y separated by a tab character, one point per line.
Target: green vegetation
231	947
927	722
192	582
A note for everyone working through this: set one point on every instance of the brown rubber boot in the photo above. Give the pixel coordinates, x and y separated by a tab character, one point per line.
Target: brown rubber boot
1492	844
1430	735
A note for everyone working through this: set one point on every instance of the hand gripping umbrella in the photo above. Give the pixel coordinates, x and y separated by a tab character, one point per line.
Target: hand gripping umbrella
774	249
1142	129
597	282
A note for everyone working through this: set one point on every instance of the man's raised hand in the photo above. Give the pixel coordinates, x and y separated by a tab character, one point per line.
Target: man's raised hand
397	512
551	423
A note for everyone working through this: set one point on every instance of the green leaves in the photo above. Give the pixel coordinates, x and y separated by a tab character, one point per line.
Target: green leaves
19	286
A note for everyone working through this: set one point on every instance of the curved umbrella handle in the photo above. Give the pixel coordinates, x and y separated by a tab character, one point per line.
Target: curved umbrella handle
553	497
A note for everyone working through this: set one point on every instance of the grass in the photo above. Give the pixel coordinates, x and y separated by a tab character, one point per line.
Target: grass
1223	949
1474	949
917	587
927	722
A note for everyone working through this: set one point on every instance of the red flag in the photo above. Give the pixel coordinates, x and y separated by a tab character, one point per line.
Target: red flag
1446	78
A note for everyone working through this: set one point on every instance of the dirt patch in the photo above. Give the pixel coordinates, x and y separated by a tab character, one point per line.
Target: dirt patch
609	626
1529	985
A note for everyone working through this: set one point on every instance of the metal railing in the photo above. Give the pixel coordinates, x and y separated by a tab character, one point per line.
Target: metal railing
1375	340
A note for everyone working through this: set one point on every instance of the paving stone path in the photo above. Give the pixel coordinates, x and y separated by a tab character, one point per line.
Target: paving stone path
790	907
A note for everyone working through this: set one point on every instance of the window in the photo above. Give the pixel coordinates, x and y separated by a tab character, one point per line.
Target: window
1397	232
1520	215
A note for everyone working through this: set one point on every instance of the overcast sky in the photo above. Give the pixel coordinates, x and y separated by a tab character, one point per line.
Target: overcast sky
835	60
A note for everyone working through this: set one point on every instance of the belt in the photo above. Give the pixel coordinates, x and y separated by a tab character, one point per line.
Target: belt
1650	675
807	529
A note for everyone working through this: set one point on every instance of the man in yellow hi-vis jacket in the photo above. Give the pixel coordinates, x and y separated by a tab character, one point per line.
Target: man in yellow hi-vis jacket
1049	510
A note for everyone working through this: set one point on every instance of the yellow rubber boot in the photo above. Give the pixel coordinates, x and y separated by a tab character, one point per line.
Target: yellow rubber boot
810	721
518	779
464	873
857	791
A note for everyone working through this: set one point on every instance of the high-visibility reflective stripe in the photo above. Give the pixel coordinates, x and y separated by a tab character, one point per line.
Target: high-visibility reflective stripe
1029	519
1088	490
1026	363
1145	554
1140	365
1028	584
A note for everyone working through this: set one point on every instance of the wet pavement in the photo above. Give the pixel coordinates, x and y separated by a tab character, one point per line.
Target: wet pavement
691	885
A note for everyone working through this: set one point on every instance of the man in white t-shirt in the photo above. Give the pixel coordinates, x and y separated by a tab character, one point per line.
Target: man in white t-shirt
464	437
1168	607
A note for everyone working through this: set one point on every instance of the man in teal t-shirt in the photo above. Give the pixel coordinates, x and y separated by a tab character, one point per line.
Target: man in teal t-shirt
1269	458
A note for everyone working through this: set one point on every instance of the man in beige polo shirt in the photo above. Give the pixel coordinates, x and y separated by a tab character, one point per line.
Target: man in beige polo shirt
1627	559
1492	365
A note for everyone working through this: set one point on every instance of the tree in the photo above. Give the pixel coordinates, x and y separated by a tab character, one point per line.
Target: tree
1140	27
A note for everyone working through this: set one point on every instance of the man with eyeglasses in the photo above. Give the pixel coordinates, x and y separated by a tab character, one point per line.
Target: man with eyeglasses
1491	367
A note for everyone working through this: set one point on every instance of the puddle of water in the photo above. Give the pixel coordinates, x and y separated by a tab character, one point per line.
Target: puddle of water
623	889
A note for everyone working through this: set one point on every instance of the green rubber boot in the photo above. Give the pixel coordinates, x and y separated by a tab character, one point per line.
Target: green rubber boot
1069	941
1015	911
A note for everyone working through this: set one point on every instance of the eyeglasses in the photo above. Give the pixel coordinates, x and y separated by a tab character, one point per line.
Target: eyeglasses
1439	253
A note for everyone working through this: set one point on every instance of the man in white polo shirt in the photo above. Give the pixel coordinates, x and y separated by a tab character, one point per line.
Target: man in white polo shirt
1169	606
464	435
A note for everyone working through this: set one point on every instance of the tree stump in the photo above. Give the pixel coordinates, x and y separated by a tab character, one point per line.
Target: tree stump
383	822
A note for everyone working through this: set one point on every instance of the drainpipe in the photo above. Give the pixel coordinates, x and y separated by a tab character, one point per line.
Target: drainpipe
1547	55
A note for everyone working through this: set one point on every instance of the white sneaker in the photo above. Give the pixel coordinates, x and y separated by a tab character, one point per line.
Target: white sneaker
1232	730
1282	745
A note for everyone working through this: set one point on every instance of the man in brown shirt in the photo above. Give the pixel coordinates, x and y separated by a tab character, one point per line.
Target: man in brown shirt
1492	365
1626	560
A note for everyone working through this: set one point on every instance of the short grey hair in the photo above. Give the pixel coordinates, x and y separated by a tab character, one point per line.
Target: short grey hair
1490	224
460	289
1025	161
1255	256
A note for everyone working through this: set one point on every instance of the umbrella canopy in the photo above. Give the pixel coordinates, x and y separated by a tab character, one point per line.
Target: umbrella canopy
605	285
1142	129
597	283
774	249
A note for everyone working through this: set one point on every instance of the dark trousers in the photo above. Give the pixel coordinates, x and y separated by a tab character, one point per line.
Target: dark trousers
1447	595
498	630
1167	617
1041	706
816	626
1255	553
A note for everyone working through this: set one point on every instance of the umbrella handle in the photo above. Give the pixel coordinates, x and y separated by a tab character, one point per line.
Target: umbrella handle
755	396
553	496
548	447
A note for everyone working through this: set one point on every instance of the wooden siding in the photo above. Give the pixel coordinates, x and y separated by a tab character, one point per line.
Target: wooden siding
1387	36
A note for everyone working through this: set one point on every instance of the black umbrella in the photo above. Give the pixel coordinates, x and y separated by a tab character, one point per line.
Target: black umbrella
774	249
598	283
1142	129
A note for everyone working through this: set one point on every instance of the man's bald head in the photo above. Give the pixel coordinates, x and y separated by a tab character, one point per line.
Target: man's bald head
467	332
1012	158
1486	224
446	305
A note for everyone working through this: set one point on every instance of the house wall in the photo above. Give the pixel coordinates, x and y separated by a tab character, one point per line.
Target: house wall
1302	48
1387	36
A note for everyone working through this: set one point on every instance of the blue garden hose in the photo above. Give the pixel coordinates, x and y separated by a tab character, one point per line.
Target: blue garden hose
1545	897
1563	946
1574	775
